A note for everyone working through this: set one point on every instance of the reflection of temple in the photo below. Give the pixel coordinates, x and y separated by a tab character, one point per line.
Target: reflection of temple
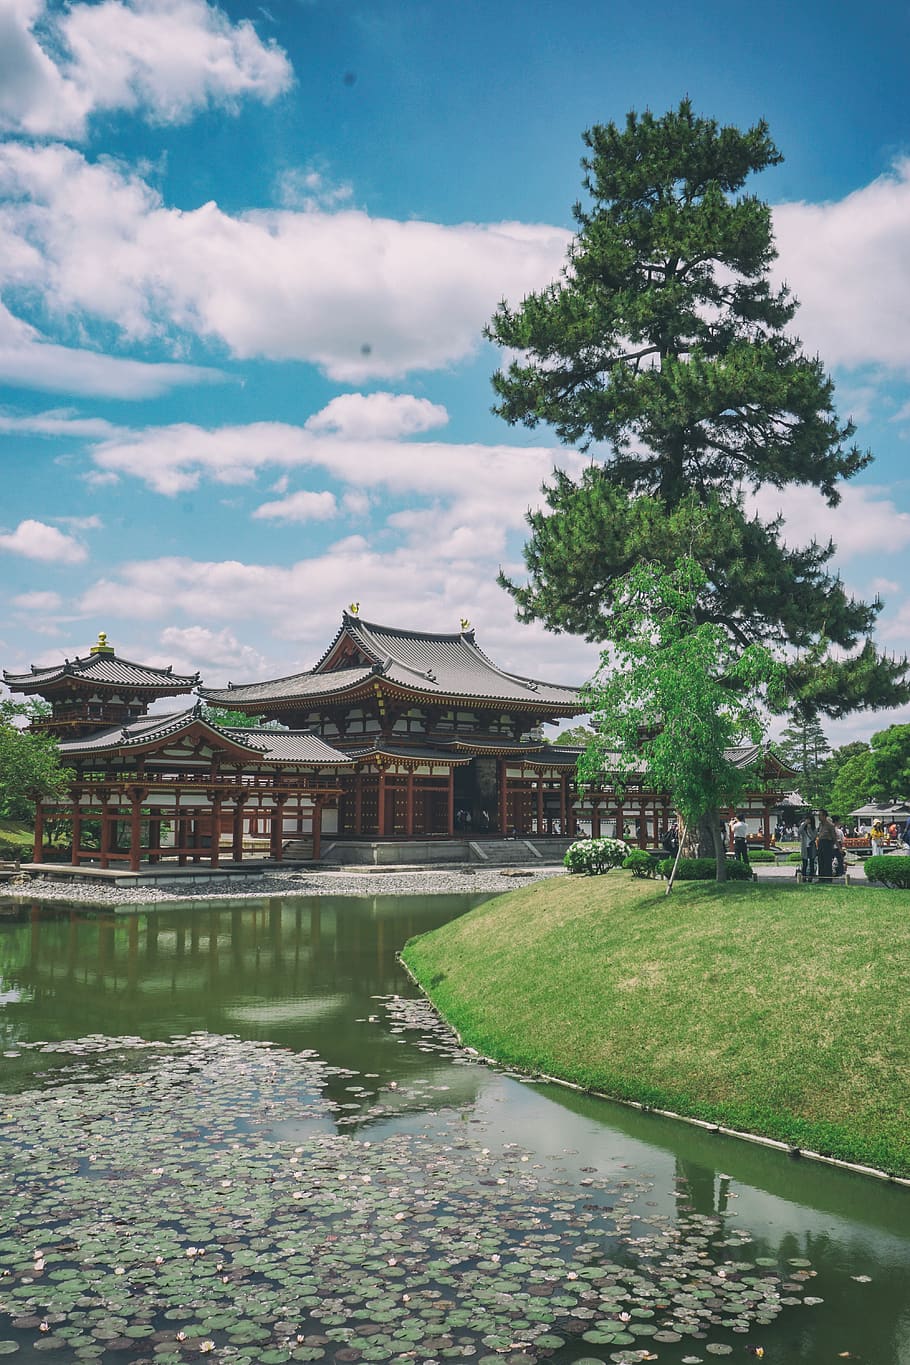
394	735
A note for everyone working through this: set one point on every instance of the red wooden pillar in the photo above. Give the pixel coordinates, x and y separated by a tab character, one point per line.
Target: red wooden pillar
766	825
409	805
450	804
76	832
563	781
179	833
216	831
358	802
237	831
317	826
539	803
380	805
135	833
595	818
105	835
38	847
503	797
154	839
277	831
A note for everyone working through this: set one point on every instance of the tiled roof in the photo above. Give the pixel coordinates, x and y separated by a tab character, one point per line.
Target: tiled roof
417	753
434	665
296	687
291	746
262	745
104	670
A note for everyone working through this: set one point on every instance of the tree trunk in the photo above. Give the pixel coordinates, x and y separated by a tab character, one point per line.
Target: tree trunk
711	842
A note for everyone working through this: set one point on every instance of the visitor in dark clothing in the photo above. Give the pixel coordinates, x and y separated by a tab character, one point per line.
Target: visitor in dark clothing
827	838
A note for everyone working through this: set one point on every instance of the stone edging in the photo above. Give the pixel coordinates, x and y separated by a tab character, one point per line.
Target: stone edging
786	1148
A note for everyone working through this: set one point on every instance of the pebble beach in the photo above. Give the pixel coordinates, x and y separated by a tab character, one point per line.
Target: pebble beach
370	882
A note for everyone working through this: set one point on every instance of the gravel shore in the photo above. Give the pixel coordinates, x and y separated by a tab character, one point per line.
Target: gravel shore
429	882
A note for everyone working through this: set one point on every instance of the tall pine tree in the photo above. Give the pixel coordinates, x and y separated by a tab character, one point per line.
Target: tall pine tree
665	350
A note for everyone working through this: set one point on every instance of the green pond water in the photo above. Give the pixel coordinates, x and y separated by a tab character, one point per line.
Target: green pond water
236	1132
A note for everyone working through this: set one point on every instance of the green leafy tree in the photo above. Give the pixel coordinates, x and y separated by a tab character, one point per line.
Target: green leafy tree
230	720
891	762
672	694
804	745
854	785
30	768
576	736
665	350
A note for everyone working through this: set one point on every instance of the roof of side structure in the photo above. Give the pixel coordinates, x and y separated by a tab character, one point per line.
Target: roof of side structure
103	670
262	745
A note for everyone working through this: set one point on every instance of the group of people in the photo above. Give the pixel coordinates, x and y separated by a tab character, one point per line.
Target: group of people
821	848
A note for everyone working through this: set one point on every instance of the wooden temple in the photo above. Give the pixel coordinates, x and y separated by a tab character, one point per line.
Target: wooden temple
393	735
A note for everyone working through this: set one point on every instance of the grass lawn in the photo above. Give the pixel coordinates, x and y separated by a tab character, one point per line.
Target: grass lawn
16	839
781	1010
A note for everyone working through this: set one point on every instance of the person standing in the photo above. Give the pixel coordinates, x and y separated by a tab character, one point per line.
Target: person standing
827	837
876	836
840	851
740	831
807	836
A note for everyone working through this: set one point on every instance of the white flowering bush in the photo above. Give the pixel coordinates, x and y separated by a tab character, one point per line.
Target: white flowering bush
593	856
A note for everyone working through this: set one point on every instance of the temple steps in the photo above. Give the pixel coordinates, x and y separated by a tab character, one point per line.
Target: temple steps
298	851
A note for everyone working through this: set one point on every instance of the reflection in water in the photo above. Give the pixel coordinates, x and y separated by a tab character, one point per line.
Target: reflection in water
310	976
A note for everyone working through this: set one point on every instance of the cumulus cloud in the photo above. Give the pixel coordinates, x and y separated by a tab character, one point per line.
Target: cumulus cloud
360	297
865	522
28	361
36	540
379	416
38	601
848	261
164	58
192	648
301	506
177	458
398	588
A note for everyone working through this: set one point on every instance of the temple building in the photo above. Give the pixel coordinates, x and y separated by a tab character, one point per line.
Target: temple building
406	744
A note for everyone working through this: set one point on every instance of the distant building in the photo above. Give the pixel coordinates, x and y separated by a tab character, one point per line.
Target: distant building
394	735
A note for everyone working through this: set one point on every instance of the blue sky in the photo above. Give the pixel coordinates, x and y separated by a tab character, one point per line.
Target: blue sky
246	253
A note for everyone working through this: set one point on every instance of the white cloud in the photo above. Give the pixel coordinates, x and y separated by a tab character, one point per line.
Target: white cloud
29	361
301	506
402	588
60	422
175	459
308	188
849	264
38	601
378	416
193	648
358	296
36	540
164	58
865	522
89	523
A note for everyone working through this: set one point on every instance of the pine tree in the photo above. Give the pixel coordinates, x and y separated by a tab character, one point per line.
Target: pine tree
804	745
665	350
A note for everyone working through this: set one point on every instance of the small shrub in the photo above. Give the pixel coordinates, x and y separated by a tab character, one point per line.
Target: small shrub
892	871
640	863
761	855
703	870
593	856
796	858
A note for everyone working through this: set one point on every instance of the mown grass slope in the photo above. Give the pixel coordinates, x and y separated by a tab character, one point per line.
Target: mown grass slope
16	840
781	1010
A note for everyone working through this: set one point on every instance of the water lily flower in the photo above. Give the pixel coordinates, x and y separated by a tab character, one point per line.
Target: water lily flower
206	1346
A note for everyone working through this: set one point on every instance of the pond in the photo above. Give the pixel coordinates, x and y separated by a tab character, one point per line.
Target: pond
236	1132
